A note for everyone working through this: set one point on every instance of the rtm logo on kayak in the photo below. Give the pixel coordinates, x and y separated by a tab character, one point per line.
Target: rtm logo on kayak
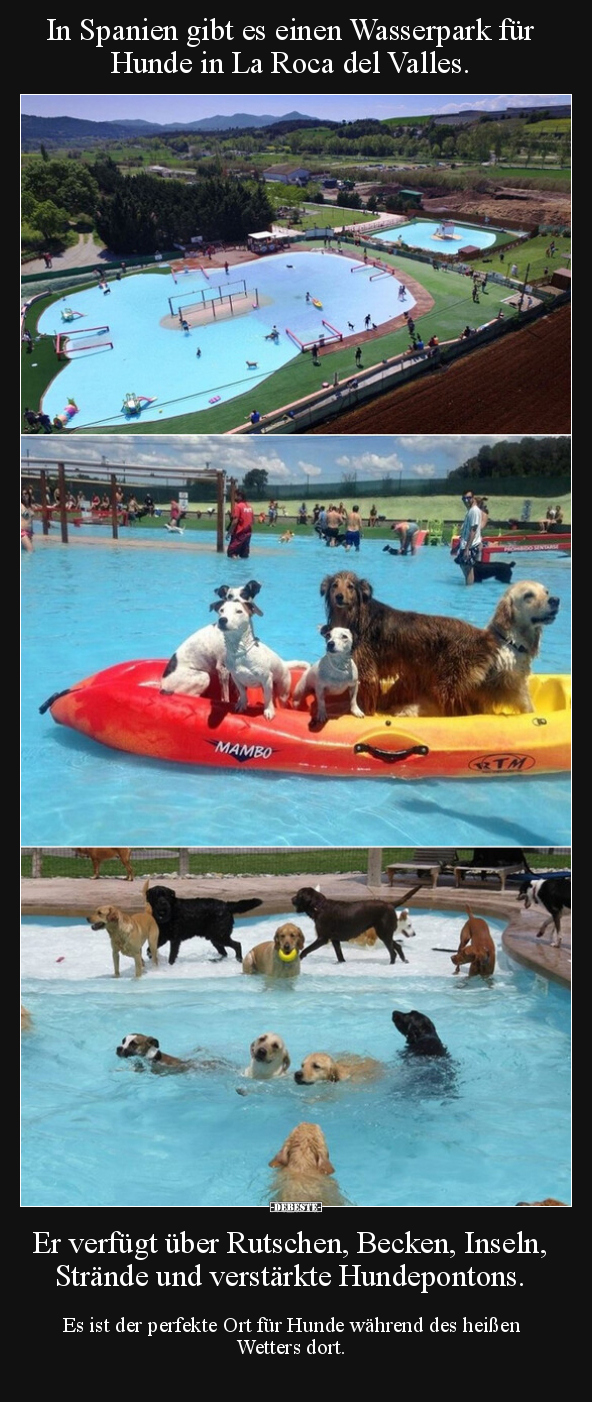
502	764
242	752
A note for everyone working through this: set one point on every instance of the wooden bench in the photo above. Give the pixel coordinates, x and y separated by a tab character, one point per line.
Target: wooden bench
491	862
431	860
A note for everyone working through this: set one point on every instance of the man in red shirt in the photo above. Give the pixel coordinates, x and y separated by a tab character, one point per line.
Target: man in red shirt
241	528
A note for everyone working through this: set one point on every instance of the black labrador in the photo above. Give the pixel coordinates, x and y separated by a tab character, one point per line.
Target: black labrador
180	918
420	1034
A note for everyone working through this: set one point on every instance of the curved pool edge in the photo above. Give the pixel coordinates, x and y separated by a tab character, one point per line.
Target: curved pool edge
75	896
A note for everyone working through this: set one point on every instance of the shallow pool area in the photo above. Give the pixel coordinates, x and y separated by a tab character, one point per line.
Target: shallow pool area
137	344
85	608
438	237
487	1126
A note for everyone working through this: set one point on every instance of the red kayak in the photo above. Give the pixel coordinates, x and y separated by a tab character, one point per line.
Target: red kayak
123	707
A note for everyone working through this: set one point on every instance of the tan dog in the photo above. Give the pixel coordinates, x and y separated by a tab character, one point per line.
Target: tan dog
266	958
269	1057
25	1019
404	927
98	855
476	948
304	1169
128	932
286	537
319	1066
135	1044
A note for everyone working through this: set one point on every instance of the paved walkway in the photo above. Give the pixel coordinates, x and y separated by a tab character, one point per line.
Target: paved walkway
68	896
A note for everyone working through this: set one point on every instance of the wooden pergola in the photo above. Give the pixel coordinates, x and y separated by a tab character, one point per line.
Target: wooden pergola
80	470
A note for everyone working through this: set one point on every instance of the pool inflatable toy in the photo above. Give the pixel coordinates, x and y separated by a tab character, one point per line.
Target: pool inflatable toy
134	403
68	314
175	530
316	303
123	708
68	412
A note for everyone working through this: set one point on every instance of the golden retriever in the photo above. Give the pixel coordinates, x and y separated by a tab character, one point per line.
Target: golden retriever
98	855
266	958
319	1066
304	1169
128	932
476	948
269	1057
435	664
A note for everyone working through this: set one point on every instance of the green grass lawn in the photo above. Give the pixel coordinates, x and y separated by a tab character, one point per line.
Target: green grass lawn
322	861
424	509
531	257
453	309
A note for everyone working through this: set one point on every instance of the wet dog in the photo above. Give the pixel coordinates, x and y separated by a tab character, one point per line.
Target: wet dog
319	1066
304	1169
442	665
476	948
269	1057
136	1044
182	918
202	656
338	921
419	1033
128	933
335	675
279	957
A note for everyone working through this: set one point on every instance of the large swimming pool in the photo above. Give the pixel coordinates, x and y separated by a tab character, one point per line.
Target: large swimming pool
85	608
488	1127
143	349
433	237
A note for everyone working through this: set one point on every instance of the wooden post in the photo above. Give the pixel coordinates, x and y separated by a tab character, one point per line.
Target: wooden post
183	861
114	506
44	502
220	523
374	874
63	515
36	862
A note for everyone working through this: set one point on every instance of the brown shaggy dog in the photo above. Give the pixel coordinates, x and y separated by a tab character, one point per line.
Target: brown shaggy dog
476	947
441	665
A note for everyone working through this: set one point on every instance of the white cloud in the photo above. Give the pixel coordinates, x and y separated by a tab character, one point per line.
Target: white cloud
371	464
423	469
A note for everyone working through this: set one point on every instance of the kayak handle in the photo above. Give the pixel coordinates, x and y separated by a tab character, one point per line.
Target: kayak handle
50	700
390	756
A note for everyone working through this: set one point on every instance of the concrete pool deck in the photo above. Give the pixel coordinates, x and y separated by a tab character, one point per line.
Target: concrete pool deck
73	897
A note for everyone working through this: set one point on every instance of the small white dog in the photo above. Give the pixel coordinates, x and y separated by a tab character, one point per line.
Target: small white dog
269	1057
249	661
203	655
335	673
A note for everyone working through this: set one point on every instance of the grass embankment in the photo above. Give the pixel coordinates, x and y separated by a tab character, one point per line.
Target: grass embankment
453	309
324	861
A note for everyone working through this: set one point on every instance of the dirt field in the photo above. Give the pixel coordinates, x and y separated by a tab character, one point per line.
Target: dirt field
530	206
521	384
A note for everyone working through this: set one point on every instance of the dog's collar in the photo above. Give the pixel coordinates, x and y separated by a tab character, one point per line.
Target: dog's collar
516	647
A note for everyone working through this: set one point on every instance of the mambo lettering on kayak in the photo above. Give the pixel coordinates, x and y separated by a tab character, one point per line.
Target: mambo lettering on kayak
242	752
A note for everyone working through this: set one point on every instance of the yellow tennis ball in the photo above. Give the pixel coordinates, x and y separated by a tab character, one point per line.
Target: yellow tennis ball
288	958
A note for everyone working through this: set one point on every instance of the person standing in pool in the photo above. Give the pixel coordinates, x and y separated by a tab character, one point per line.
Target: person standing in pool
470	545
241	528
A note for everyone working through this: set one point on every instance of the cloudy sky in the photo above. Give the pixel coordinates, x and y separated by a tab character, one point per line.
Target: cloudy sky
110	107
287	459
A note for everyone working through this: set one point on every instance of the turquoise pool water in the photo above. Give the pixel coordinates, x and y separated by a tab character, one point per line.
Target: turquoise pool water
422	234
487	1128
84	609
160	362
